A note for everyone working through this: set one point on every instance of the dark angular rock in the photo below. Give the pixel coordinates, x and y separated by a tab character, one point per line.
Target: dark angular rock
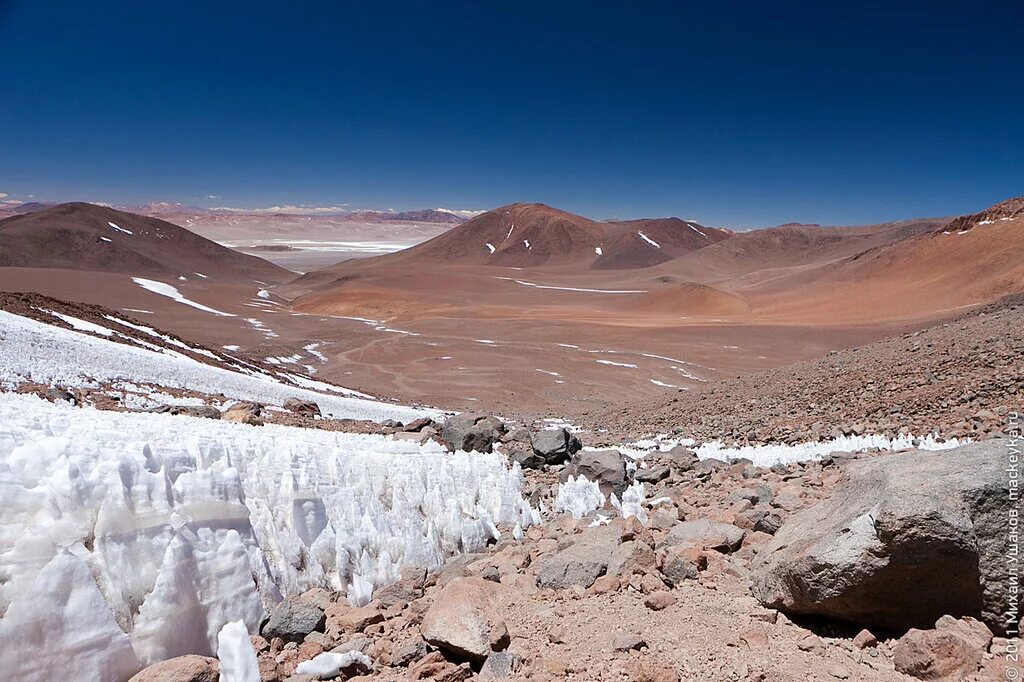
556	445
292	620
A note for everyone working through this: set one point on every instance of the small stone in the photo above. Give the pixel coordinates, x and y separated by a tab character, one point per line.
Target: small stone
660	600
649	670
628	641
839	672
341	618
604	584
293	619
650	583
409	652
810	643
865	639
499	665
189	668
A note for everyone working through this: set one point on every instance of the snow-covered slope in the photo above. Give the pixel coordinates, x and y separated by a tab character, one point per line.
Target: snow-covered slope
129	538
43	353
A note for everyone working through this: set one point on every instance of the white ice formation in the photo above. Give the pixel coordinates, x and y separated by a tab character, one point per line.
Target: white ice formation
632	503
237	657
578	496
129	538
328	665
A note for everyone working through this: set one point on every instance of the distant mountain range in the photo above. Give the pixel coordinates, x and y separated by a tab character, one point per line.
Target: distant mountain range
167	209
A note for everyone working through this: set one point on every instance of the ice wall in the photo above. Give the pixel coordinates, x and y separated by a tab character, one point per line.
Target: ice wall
161	529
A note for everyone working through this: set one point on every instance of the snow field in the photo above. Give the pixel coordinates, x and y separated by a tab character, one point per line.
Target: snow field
34	351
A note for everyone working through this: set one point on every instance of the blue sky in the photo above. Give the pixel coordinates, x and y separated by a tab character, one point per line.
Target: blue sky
734	113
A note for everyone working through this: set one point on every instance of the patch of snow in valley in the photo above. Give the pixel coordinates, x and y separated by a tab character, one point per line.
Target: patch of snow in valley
649	240
130	538
687	373
527	242
617	364
119	229
262	328
592	291
598	250
545	371
312	350
107	239
173	294
661	383
263	293
490	246
231	348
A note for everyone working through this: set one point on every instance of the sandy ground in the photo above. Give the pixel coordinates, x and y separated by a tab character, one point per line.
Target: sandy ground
508	348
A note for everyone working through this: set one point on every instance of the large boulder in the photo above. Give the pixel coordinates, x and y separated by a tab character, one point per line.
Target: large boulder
605	467
704	534
293	619
303	408
465	619
904	539
523	454
472	432
188	668
680	457
556	445
204	411
582	562
954	648
244	413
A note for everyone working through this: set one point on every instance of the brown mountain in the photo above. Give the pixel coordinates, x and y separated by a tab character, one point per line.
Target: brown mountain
80	236
530	235
771	252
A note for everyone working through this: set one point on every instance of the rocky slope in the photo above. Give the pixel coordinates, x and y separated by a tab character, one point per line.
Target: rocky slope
664	599
958	379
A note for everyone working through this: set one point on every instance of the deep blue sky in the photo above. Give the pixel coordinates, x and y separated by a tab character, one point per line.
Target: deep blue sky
733	113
